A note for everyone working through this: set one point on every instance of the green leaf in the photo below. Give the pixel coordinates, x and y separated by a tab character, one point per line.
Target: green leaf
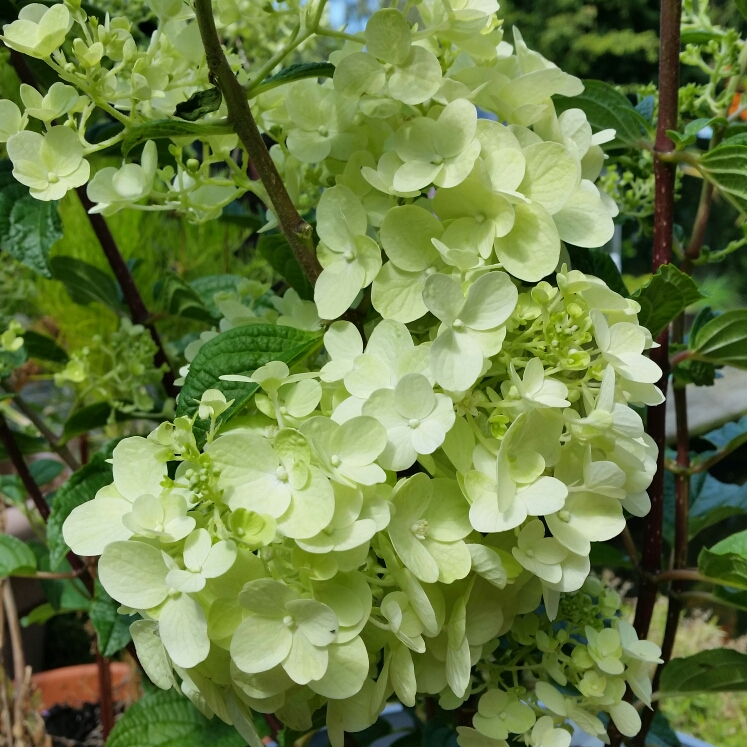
690	132
39	615
179	298
691	371
664	297
11	488
276	250
173	129
199	104
45	470
10	360
241	350
168	719
726	561
80	488
27	444
85	283
206	288
112	629
730	436
292	73
607	108
661	733
723	340
716	671
95	416
599	264
741	7
28	227
16	557
731	597
726	167
715	501
43	348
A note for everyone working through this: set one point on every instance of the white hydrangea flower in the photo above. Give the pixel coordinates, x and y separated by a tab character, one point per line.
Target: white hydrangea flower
416	419
114	189
350	258
471	328
285	629
428	527
138	471
49	164
11	120
59	100
39	30
202	560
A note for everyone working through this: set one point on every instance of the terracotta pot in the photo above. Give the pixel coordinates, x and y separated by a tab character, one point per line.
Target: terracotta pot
74	686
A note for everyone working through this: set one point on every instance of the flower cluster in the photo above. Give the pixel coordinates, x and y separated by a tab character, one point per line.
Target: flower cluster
117	368
413	513
369	531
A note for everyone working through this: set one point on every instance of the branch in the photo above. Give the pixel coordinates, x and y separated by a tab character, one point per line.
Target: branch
11	615
41	425
681	574
19	463
296	229
106	704
664	174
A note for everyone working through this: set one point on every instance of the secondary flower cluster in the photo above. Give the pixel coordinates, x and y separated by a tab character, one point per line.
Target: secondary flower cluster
369	530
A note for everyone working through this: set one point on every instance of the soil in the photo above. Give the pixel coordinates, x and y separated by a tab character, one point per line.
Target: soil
75	727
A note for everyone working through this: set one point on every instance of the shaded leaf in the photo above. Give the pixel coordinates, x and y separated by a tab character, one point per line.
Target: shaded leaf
43	348
292	73
726	167
173	128
85	283
664	297
729	436
723	340
16	557
10	360
277	251
239	351
726	561
718	670
112	629
661	733
179	298
206	288
28	227
168	719
199	104
45	470
600	264
98	415
606	108
27	444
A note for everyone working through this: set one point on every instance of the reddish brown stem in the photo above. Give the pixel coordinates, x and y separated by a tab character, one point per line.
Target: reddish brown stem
22	469
106	703
669	49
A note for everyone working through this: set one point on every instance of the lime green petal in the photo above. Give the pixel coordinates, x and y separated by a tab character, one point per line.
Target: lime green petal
260	643
305	661
388	36
134	574
346	672
417	79
183	630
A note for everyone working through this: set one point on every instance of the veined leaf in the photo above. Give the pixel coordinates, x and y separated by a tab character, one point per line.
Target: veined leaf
726	167
173	129
606	108
241	350
180	299
723	340
168	719
28	227
95	416
16	557
292	73
276	250
206	287
43	348
716	671
85	283
726	561
199	104
664	297
45	470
